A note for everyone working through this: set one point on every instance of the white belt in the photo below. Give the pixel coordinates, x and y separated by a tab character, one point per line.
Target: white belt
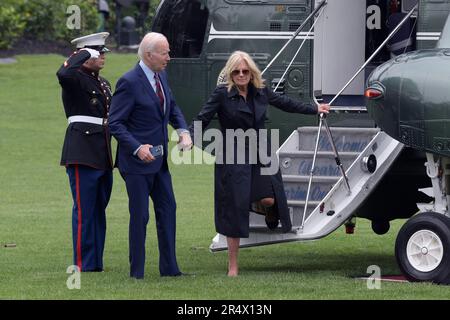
94	120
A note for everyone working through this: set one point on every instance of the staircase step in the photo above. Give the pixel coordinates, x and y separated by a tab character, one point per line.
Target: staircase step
324	154
315	179
257	221
300	162
338	130
296	156
345	139
297	214
296	191
296	203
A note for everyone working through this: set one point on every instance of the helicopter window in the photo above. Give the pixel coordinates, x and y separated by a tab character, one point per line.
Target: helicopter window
277	2
407	5
183	22
294	26
275	26
391	13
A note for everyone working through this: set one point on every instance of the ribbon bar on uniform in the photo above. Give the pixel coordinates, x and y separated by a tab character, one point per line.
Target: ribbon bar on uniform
88	119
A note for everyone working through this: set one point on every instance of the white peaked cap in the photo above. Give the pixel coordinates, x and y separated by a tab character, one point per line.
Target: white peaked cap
95	39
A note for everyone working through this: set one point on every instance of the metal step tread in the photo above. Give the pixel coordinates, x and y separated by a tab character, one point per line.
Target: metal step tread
299	203
297	178
265	230
339	129
310	153
349	109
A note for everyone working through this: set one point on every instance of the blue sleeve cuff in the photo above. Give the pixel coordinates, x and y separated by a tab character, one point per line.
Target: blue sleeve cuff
136	151
180	131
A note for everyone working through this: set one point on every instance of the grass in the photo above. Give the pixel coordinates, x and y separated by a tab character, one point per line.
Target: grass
35	214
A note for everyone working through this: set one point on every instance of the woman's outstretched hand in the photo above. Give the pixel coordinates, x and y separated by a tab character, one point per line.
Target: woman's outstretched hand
323	108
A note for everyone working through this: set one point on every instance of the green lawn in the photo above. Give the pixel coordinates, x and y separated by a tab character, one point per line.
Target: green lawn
35	214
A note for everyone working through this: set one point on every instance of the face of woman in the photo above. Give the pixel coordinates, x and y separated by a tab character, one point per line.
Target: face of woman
241	74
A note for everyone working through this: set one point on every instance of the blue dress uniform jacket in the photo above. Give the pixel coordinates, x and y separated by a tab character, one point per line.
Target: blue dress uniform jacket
87	156
85	93
233	182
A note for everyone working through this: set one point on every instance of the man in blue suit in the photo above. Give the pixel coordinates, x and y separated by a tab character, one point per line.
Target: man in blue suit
141	109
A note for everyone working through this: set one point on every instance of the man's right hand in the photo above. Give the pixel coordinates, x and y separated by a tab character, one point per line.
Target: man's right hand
94	53
144	153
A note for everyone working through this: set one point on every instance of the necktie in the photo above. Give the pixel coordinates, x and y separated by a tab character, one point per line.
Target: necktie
159	92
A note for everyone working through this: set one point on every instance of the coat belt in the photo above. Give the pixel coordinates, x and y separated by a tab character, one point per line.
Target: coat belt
88	119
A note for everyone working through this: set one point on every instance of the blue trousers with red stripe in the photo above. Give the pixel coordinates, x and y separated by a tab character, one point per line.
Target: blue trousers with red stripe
91	190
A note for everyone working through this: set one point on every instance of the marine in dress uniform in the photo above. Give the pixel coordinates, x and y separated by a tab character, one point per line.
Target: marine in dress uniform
86	152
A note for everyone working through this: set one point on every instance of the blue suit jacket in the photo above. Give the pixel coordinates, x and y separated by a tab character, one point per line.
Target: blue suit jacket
136	118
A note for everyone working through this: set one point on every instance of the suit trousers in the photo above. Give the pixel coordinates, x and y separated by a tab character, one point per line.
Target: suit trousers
158	186
91	190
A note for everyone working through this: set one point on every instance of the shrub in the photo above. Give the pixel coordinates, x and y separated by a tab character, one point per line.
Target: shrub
47	19
89	19
11	26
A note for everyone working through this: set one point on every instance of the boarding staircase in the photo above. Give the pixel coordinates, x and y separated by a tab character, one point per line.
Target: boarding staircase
296	157
330	204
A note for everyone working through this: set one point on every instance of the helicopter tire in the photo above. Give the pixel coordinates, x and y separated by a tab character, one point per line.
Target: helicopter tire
422	248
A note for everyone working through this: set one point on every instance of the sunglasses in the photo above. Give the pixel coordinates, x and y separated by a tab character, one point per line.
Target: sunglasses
244	72
101	49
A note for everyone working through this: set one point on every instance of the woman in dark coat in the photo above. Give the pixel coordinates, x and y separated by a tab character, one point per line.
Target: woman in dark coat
240	185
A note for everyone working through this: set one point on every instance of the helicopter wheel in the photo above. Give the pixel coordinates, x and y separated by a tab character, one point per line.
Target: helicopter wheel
422	248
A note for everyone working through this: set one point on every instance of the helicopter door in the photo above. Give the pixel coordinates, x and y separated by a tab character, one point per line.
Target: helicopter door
184	24
339	51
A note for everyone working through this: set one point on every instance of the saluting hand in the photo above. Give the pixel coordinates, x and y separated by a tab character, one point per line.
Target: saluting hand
94	53
323	108
144	153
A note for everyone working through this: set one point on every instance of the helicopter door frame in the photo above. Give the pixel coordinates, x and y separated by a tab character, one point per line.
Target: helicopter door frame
339	48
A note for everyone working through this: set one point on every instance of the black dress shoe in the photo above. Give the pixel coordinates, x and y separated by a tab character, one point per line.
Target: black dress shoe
180	274
183	274
94	270
272	219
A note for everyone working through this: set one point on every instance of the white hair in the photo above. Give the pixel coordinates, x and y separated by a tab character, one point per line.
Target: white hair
148	43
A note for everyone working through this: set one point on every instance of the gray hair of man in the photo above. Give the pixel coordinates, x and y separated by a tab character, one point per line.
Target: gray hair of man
148	43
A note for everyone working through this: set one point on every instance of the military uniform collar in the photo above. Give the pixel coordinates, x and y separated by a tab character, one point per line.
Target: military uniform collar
89	71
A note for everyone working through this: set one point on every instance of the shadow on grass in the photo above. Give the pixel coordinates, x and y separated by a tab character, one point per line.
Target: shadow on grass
349	264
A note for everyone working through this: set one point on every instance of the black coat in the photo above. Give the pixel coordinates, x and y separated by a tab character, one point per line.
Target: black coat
85	93
233	181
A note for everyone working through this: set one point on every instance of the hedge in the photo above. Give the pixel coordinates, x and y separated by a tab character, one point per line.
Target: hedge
45	20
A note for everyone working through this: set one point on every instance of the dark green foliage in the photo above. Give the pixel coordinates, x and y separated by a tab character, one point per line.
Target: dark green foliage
47	20
11	26
44	20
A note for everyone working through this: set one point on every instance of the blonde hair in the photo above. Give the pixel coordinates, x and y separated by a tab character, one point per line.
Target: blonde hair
233	62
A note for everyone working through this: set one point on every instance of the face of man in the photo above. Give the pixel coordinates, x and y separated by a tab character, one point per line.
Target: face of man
96	64
158	59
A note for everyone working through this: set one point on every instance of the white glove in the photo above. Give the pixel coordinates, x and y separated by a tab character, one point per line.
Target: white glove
185	142
94	53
